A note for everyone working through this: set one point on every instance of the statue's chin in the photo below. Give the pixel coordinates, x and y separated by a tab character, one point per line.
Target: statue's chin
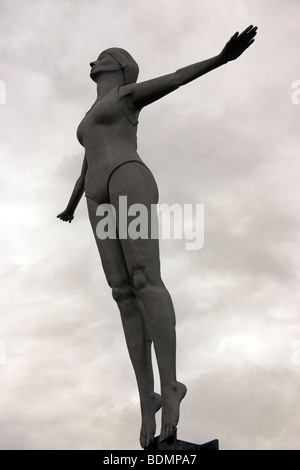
93	76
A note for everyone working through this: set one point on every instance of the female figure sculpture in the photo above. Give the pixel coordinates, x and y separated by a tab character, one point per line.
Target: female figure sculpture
112	168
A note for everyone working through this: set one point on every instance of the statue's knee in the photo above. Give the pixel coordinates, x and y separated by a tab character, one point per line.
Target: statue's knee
122	292
143	279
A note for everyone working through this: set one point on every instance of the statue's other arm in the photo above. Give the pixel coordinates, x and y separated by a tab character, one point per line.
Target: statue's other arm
68	214
149	91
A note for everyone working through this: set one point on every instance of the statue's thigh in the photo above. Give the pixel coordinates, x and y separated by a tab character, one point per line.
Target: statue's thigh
110	250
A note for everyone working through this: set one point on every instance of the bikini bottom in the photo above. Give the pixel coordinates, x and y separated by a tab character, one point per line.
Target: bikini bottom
104	190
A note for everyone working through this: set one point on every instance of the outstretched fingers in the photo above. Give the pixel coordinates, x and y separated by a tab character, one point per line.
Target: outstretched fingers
246	38
248	34
246	31
234	36
249	44
65	217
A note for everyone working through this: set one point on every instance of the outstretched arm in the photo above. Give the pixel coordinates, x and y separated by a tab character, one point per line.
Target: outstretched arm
144	93
68	214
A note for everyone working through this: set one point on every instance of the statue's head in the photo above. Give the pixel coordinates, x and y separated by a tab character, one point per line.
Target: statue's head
122	60
126	62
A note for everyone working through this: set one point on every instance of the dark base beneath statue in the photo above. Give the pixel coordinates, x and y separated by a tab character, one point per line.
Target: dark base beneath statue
175	444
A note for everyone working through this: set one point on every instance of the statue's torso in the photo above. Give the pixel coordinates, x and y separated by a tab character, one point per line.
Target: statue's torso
109	137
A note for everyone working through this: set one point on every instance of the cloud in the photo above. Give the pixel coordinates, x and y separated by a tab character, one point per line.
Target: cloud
243	417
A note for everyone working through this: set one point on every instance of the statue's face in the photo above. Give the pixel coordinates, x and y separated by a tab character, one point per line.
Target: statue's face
104	63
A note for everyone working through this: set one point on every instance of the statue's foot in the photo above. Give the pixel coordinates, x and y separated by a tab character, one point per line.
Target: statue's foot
171	400
149	406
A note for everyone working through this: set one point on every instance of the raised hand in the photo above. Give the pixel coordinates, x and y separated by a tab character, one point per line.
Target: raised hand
238	43
66	216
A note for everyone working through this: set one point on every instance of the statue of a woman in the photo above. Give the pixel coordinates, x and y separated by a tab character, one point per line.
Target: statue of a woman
112	168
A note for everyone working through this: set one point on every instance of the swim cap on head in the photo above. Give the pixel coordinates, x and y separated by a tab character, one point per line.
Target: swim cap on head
129	65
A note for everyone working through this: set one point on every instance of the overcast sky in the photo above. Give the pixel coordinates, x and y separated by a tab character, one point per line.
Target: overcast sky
230	141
